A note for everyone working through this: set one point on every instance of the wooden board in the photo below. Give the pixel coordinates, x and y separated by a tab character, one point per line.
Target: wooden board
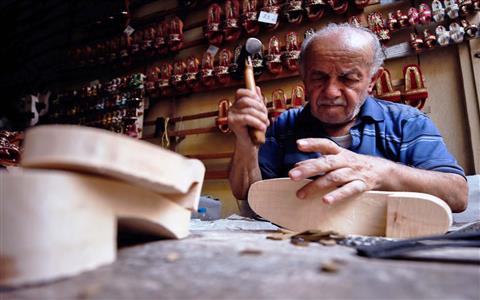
105	153
55	224
374	213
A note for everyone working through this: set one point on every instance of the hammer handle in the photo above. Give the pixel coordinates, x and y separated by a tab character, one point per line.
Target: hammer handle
257	136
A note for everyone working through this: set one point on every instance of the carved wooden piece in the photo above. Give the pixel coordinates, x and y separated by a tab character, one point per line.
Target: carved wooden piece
374	213
55	224
102	152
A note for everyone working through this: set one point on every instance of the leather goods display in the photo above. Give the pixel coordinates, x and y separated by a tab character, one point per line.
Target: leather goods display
415	92
222	119
470	29
191	76
151	84
166	72
279	103
424	14
149	35
137	42
212	30
160	43
221	70
273	7
438	11
9	151
231	25
443	36
258	62
293	11
233	69
413	16
384	88
273	59
373	213
206	74
125	42
376	24
452	9
113	49
314	9
429	39
177	79
416	42
249	17
292	51
298	96
457	32
175	34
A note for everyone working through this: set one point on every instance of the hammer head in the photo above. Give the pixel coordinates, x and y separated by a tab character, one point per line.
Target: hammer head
252	46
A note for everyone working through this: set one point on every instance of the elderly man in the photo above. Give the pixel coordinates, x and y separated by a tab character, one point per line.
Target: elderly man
343	137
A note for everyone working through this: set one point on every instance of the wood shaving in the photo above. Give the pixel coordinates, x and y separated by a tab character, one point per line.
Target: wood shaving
251	252
172	257
330	267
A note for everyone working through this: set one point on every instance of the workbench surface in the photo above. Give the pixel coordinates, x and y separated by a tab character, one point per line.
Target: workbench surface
231	260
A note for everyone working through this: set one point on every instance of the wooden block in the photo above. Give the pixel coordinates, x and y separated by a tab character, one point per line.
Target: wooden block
55	224
101	152
374	213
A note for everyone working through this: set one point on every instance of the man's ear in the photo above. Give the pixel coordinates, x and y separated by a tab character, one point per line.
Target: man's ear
374	78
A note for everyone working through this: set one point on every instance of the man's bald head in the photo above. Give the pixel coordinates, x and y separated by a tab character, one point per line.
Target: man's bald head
346	36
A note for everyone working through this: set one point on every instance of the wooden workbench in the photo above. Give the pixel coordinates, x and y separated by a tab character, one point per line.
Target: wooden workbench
232	259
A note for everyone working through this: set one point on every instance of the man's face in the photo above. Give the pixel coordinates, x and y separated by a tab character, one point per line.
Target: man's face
337	80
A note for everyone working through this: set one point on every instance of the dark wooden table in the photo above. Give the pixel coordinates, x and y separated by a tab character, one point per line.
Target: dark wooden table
233	261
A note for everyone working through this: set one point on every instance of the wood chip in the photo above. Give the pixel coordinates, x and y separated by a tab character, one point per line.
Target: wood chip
172	257
328	242
330	267
251	252
298	241
279	236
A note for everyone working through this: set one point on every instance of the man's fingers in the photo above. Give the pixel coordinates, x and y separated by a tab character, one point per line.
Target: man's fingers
324	146
350	189
248	93
244	102
248	120
328	181
317	166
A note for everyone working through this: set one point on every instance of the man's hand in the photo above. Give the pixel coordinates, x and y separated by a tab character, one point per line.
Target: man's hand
248	110
337	167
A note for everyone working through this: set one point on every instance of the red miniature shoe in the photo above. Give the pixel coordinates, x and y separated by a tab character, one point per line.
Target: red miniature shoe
160	40
179	68
231	26
384	88
292	51
234	65
151	85
402	18
221	70
125	42
413	16
470	29
175	35
424	14
191	76
212	30
249	17
279	104
339	6
206	73
149	35
416	42
166	72
293	11
258	62
355	21
272	6
298	96
429	39
315	9
392	22
137	42
376	24
415	92
274	57
222	119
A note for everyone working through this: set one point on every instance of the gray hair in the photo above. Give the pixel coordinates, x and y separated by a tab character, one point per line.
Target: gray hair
332	28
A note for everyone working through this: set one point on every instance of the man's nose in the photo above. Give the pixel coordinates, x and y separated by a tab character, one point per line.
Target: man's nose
333	89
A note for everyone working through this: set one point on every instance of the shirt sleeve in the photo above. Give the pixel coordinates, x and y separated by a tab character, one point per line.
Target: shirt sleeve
423	147
270	155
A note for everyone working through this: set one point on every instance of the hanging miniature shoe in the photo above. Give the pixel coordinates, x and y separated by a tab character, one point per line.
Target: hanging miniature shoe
292	51
429	39
392	22
376	24
466	7
274	57
234	65
402	18
273	7
9	152
206	73
125	42
90	54
222	120
339	6
315	9
298	96
160	40
137	42
424	14
438	11
175	34
457	32
384	88
293	11
212	30
470	29
166	72
191	76
101	53
443	36
179	68
413	16
221	70
249	17
113	46
415	92
476	5
231	25
149	35
152	80
416	42
258	62
451	8
355	21
279	104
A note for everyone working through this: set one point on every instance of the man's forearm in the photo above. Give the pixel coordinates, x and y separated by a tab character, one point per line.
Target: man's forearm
244	170
451	188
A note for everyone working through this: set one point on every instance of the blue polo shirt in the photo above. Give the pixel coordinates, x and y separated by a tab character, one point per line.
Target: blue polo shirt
393	131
